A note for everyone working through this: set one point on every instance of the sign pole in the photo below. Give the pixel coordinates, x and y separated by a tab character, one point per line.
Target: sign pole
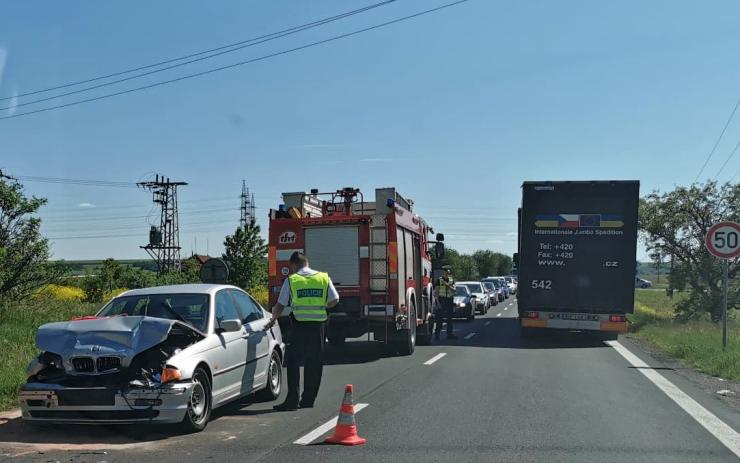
725	265
723	241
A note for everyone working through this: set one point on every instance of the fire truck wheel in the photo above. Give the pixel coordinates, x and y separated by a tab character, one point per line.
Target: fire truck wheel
406	339
425	332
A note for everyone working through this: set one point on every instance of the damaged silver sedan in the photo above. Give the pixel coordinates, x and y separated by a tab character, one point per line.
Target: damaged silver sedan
168	354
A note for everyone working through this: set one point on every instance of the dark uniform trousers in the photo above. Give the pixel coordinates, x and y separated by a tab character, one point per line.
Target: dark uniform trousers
446	311
307	347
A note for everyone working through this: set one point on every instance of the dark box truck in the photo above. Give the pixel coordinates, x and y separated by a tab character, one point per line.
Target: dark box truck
577	255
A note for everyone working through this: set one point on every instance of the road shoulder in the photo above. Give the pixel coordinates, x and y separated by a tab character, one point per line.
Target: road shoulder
699	386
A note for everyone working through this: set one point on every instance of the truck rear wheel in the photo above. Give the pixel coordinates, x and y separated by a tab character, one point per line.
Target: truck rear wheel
406	339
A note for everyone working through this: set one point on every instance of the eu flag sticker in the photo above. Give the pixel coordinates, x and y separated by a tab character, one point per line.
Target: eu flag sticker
590	220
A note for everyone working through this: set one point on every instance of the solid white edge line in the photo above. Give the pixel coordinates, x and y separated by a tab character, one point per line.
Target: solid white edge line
435	358
324	428
470	335
718	428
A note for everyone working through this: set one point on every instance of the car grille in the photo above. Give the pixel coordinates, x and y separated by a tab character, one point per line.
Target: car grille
83	364
108	363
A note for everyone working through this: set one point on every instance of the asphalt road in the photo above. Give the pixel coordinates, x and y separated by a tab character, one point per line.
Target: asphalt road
490	397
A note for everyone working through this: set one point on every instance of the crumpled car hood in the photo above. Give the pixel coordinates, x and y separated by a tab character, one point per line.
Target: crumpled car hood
123	337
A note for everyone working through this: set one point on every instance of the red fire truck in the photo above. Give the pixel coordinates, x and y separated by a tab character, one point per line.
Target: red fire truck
378	254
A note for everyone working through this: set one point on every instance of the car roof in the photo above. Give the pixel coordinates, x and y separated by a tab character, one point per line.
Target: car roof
178	289
468	282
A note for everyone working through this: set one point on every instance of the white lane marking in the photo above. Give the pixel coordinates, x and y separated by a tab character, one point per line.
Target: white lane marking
324	428
506	308
486	323
470	335
435	358
498	314
718	428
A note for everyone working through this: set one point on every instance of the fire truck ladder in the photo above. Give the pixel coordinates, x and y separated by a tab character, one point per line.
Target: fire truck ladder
378	270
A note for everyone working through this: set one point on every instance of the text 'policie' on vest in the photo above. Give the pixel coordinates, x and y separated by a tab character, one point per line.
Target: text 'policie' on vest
308	295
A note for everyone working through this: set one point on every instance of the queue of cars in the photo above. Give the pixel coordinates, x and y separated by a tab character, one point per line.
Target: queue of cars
473	297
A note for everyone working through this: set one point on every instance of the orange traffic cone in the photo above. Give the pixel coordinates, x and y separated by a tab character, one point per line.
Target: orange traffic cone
346	431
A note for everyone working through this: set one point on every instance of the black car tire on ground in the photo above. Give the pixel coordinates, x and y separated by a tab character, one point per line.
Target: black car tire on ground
196	418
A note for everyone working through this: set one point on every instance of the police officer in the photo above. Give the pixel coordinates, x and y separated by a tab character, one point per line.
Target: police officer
309	293
445	293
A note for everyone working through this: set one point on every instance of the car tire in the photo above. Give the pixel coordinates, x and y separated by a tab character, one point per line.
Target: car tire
199	403
406	339
274	380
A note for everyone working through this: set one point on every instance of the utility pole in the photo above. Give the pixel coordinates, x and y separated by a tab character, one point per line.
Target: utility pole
164	241
247	206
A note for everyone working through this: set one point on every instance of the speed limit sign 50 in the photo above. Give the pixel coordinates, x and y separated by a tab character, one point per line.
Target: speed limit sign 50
723	240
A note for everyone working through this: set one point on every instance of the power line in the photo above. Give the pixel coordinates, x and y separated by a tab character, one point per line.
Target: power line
251	43
70	181
732	154
716	143
241	63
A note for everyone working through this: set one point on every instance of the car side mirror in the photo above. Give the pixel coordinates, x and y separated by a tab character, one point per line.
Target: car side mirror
230	325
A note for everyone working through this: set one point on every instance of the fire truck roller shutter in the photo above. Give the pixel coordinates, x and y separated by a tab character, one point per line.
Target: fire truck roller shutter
335	250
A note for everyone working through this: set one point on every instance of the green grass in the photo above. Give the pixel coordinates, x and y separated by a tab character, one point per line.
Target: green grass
696	344
18	325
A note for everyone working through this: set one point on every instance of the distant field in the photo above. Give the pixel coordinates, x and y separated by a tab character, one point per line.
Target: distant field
80	267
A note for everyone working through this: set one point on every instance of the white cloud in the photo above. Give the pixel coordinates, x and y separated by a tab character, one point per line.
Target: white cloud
323	145
379	159
87	205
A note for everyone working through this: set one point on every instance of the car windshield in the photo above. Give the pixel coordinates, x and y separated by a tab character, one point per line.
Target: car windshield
189	308
474	287
509	279
461	291
489	286
495	283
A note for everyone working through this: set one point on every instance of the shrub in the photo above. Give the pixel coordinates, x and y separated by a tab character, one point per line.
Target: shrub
60	293
259	293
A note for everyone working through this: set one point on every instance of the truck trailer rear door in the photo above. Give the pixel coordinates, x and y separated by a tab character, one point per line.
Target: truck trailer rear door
335	250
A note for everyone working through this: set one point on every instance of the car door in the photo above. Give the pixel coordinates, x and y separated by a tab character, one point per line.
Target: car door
258	341
231	358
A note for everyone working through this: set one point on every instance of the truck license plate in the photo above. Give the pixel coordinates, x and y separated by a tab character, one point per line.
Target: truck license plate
574	316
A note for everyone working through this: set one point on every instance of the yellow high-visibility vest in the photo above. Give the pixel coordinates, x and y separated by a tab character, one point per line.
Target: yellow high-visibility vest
443	290
308	295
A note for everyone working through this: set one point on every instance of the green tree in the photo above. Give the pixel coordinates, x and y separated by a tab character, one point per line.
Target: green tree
490	263
245	255
675	223
24	253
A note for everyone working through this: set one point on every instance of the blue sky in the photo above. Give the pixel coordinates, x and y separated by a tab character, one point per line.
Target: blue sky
455	108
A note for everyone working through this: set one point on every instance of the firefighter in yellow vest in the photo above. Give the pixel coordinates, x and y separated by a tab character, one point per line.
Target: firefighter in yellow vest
309	293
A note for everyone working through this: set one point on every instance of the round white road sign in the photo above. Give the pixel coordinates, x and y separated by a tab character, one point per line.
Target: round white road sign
723	240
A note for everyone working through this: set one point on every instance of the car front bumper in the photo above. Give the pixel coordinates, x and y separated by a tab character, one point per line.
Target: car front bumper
165	403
